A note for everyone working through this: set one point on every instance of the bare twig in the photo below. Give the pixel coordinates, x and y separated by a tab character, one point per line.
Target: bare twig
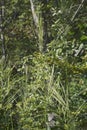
77	11
35	18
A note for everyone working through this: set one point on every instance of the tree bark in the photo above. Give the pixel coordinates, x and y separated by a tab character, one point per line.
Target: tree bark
45	13
2	38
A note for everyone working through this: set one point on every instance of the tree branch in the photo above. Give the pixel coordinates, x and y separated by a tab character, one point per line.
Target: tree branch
35	18
77	11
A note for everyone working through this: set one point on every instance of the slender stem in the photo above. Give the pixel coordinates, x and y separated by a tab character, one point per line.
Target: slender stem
35	18
77	11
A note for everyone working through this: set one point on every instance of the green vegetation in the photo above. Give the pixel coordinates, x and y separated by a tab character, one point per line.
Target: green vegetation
43	65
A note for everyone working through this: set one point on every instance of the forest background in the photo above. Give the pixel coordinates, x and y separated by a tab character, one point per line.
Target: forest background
43	64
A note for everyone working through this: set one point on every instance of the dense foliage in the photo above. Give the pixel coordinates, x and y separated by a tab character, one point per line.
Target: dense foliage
43	65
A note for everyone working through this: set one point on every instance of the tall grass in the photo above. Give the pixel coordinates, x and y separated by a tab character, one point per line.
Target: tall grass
36	97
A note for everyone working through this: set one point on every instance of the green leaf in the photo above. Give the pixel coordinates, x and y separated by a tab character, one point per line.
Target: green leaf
83	37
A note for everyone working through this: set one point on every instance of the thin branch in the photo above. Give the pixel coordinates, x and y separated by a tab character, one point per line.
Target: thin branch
35	18
77	11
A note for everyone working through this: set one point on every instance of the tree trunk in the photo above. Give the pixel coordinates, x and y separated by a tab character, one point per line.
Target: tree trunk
45	13
2	38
